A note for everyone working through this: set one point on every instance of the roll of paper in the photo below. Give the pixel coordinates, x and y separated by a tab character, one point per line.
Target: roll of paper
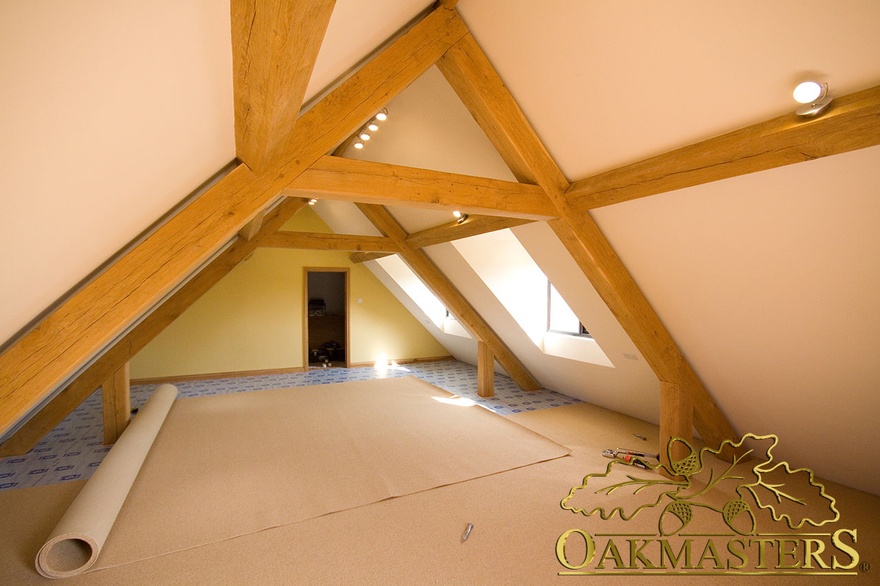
75	543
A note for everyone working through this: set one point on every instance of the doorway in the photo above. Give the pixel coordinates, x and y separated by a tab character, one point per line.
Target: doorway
325	335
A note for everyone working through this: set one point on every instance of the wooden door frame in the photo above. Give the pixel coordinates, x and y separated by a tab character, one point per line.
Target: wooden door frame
306	271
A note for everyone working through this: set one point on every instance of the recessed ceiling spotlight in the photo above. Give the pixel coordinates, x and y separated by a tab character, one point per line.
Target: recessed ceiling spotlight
814	97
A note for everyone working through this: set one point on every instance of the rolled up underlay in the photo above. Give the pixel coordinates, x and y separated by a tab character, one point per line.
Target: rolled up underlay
75	543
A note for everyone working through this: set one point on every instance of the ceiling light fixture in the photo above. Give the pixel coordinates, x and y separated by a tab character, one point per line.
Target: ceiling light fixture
313	201
372	126
814	97
460	217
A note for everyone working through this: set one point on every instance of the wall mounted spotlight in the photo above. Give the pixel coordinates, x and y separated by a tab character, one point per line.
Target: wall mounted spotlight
313	201
372	126
382	115
358	144
460	218
364	135
814	97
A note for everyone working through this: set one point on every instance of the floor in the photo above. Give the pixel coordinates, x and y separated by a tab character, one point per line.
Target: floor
74	448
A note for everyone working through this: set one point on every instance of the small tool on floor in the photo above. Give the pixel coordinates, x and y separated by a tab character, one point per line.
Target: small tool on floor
637	453
467	532
631	457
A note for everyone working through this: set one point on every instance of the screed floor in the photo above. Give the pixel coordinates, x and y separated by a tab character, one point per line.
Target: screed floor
74	448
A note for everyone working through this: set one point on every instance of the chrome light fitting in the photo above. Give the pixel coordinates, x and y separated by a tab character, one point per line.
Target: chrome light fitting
460	218
814	96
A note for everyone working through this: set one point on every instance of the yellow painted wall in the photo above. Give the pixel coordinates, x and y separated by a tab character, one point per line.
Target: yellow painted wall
252	319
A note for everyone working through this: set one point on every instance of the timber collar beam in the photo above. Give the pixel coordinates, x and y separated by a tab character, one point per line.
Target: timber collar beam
382	184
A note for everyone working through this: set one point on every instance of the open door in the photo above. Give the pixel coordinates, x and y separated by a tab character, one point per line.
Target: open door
325	331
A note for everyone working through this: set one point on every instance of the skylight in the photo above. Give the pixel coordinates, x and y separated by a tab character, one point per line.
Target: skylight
523	289
416	290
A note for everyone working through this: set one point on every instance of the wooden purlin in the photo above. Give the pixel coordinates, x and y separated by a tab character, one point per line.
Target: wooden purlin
324	241
852	122
446	292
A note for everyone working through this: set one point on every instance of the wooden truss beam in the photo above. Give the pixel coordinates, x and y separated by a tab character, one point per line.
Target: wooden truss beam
472	226
469	72
446	292
274	46
81	327
359	257
324	241
852	122
382	184
142	334
455	230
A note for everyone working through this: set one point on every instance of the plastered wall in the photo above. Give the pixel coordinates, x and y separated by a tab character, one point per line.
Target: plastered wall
253	318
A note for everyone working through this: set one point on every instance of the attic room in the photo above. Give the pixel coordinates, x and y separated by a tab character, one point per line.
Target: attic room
559	228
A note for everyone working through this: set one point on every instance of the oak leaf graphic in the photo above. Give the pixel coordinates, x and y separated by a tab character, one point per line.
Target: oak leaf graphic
728	480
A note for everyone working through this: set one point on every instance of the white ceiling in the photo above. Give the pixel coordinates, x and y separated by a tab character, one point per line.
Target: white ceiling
113	113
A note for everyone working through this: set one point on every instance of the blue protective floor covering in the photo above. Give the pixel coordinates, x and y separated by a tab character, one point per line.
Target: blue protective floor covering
74	448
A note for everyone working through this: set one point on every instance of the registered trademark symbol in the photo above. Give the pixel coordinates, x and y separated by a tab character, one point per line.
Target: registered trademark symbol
864	566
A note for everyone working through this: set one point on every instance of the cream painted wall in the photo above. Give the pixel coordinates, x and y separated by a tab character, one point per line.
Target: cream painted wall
252	319
110	114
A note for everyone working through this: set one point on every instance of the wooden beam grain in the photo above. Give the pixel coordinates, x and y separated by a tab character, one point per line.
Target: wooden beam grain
455	230
446	292
485	370
852	122
359	257
274	47
43	359
116	403
323	241
483	92
384	184
676	421
125	349
252	228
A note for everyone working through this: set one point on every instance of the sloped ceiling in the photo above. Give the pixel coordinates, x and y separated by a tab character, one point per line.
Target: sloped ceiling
112	114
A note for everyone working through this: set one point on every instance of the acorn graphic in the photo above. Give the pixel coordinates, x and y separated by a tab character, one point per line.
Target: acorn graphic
739	517
687	466
679	513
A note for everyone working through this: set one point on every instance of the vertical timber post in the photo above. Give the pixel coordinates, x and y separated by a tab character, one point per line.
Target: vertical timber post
116	399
